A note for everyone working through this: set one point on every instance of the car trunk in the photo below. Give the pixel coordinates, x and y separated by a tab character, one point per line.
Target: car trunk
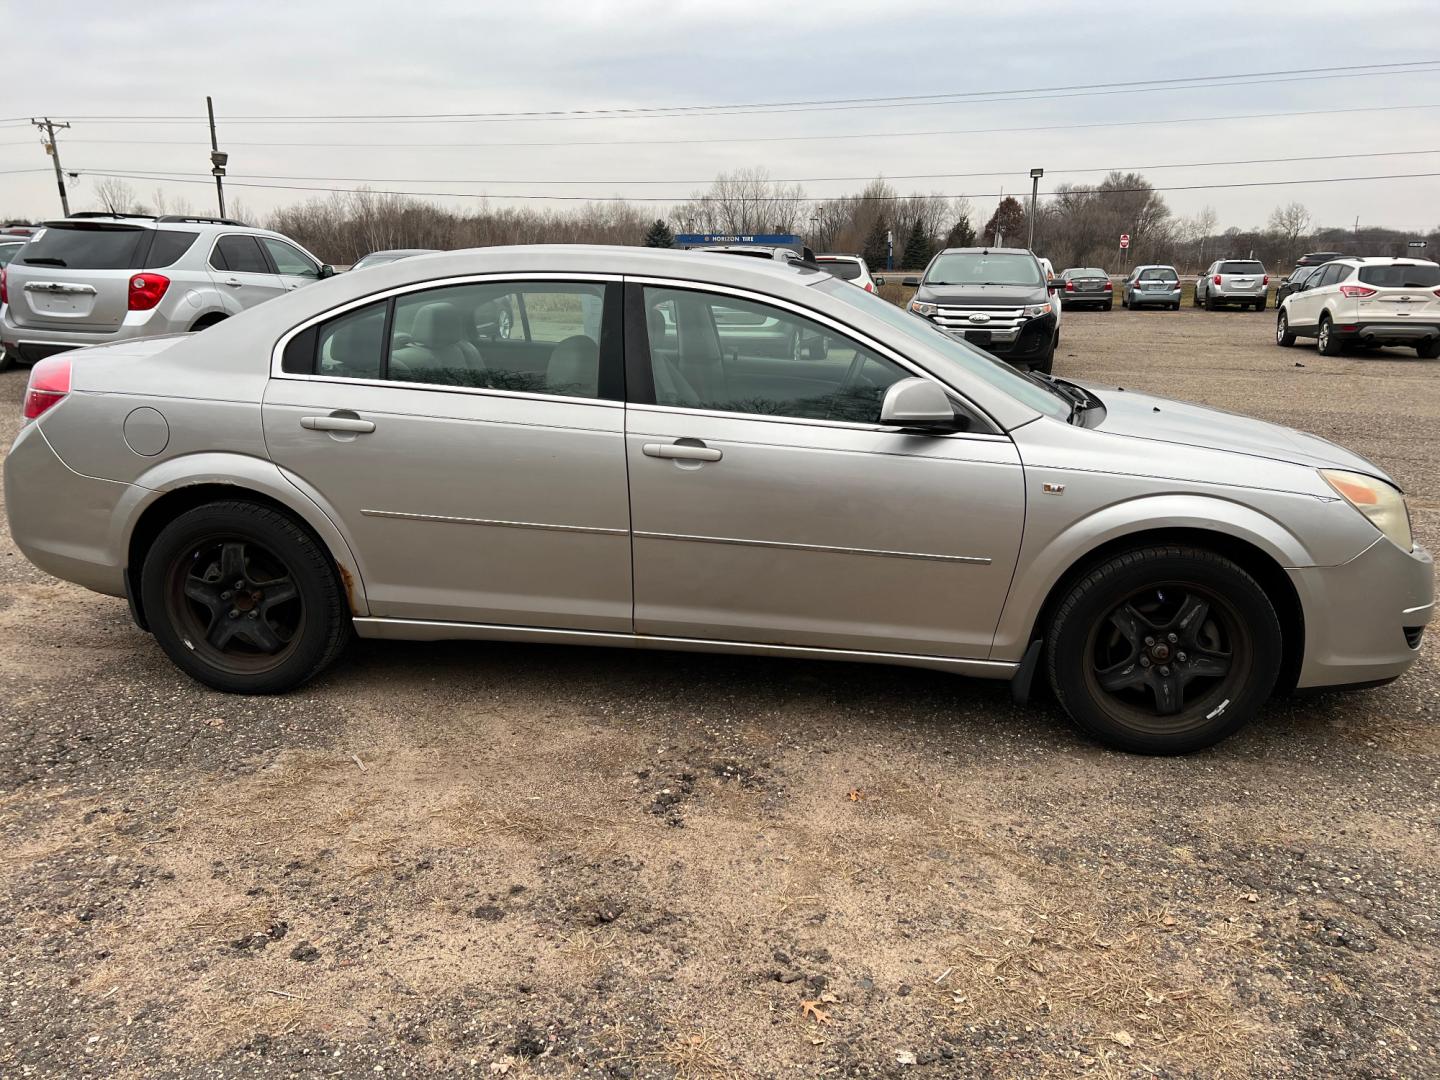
75	277
1402	290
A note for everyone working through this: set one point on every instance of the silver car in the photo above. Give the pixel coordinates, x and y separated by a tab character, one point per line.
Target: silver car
1233	281
91	279
628	468
1152	285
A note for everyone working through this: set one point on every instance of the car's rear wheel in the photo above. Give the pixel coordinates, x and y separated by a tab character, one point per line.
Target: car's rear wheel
1211	304
7	359
1283	336
1327	340
1164	650
243	599
1260	304
1108	305
1429	350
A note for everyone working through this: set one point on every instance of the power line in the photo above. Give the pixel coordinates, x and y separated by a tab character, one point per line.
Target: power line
899	100
372	145
803	179
780	198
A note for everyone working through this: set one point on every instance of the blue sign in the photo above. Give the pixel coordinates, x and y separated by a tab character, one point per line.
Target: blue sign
764	239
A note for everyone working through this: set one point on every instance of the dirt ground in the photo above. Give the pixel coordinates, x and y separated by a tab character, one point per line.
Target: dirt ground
483	860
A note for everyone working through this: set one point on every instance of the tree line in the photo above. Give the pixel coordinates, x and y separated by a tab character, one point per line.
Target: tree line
1075	225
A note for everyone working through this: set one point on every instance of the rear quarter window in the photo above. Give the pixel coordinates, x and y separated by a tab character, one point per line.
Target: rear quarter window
85	247
167	247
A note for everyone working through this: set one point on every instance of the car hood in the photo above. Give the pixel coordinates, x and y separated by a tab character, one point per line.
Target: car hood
1145	416
982	295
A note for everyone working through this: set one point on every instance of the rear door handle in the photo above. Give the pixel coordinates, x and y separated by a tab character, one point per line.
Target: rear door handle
234	283
337	423
683	451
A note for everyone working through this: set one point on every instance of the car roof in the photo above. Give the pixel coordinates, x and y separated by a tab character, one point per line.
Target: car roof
989	251
1383	260
840	258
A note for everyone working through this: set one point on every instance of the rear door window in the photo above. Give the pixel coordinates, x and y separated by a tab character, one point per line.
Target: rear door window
239	255
1414	276
85	247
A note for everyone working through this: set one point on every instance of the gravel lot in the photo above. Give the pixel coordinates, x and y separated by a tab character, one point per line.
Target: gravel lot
521	861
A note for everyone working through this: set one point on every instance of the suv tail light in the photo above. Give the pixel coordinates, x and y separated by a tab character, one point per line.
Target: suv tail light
146	290
1265	280
49	383
1217	279
4	289
1353	292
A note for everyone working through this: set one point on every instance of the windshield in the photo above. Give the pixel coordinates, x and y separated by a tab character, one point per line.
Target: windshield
1161	274
1241	268
977	268
967	361
1402	276
841	268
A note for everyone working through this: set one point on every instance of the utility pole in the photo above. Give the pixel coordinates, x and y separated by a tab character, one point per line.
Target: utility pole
218	158
1035	175
53	149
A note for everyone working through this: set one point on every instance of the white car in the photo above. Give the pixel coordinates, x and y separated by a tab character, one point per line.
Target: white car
851	268
1054	285
1366	302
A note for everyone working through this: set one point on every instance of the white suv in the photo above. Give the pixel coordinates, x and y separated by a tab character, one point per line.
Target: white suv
93	279
1366	302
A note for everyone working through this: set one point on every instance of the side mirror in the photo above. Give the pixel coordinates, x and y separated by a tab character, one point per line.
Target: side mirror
912	282
1052	288
917	403
879	279
326	270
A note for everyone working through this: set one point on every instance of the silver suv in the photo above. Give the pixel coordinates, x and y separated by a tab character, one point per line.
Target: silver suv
1233	281
92	279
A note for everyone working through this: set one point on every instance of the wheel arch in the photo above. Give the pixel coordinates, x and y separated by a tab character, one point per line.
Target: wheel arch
160	498
209	319
1259	563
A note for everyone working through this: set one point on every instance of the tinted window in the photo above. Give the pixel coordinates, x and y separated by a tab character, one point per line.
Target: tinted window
1086	272
841	268
1246	267
1158	275
1415	276
8	252
976	268
85	247
289	261
538	337
239	255
732	355
351	346
1332	274
167	247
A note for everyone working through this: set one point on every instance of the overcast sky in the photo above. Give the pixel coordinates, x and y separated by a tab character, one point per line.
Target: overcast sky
261	58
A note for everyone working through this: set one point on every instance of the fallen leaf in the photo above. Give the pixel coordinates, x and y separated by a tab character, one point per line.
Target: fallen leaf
501	1067
1124	1038
812	1009
830	999
906	1057
856	795
1254	898
1168	920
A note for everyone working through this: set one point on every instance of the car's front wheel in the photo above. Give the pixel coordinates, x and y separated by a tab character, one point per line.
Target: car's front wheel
1164	650
243	599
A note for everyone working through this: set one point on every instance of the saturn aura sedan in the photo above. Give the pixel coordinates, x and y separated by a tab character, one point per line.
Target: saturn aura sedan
626	467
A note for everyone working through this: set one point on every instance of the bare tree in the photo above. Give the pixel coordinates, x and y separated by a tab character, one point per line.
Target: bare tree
117	197
744	202
1291	224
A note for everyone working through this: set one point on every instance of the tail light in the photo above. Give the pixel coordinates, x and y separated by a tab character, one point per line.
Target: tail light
1069	286
1437	291
869	287
146	290
1265	280
1217	279
1109	287
49	383
1354	292
4	289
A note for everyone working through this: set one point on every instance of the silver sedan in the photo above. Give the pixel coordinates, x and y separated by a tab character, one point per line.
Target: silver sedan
628	466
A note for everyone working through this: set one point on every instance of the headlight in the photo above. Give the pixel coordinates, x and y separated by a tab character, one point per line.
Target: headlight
1378	501
921	308
1036	310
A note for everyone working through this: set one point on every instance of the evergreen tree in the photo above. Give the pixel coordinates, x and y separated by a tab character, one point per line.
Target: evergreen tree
918	248
961	234
875	245
659	235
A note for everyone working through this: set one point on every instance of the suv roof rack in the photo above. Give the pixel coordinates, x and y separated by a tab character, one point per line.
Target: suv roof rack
201	220
111	214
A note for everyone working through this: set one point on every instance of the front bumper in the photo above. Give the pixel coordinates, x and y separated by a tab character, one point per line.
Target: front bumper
1361	616
1396	330
63	522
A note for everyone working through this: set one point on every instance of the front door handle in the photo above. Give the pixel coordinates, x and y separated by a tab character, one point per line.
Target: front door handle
352	424
682	451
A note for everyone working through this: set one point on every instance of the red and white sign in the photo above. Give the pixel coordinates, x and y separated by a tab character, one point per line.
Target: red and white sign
1124	240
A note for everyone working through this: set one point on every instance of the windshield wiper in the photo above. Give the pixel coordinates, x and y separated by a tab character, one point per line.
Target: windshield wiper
1080	399
43	261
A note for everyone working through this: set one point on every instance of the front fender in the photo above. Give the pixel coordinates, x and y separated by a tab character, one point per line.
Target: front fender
1047	554
244	473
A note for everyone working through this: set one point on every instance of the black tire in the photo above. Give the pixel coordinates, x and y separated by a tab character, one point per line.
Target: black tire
205	322
239	640
1108	306
1045	362
1327	341
1175	306
1195	297
1260	304
1283	336
1429	350
1125	612
7	359
1211	304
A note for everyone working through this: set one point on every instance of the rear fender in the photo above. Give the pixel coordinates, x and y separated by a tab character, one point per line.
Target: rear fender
244	473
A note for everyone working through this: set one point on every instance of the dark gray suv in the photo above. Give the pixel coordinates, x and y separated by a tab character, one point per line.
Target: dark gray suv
994	298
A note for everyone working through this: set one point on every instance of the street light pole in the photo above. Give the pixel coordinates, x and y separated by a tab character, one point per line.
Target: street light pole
1035	175
217	157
